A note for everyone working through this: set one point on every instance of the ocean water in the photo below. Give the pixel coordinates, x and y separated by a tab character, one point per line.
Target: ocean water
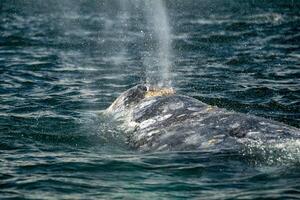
63	61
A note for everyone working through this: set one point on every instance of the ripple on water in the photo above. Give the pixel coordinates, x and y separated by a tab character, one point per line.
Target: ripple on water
61	62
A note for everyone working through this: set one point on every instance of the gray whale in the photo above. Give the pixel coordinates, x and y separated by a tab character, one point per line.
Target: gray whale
181	123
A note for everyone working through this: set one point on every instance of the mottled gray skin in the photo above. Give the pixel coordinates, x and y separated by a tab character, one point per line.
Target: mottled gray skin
178	122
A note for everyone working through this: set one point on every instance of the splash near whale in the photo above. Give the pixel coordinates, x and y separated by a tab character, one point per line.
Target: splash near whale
161	120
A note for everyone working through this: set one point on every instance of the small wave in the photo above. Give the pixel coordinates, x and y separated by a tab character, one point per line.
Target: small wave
210	21
273	18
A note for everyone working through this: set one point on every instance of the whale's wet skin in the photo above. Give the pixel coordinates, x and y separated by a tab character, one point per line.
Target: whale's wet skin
177	122
64	61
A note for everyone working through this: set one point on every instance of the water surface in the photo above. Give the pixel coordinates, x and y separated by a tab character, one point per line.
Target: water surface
61	62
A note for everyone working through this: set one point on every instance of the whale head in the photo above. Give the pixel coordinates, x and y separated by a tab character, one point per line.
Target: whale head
136	94
128	98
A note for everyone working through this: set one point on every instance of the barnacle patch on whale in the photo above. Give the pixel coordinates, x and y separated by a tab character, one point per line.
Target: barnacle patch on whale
153	91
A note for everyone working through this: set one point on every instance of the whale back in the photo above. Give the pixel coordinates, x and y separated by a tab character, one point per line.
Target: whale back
178	122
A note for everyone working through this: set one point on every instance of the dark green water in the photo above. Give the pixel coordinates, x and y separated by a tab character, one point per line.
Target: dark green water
61	62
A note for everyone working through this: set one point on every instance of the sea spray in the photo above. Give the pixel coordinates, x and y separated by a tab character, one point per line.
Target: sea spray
161	53
156	54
